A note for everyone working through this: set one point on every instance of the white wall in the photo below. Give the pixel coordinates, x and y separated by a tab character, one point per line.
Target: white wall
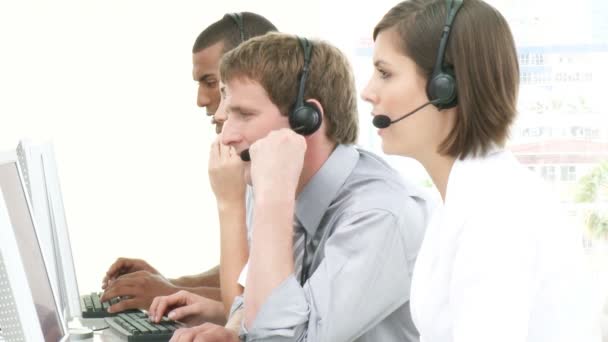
109	82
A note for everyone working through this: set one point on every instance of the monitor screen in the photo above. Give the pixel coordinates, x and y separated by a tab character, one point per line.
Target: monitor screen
39	170
27	242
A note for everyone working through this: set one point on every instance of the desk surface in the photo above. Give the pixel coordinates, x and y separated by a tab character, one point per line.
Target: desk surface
99	336
105	335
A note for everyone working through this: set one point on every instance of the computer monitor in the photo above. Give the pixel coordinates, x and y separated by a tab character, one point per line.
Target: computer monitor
41	178
18	314
40	317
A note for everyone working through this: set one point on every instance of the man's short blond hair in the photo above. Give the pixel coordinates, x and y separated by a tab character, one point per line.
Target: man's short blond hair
275	61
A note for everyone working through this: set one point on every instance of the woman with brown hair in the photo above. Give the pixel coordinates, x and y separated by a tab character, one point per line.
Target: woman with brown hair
495	264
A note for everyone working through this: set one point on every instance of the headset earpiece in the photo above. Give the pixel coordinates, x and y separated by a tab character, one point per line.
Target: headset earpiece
441	87
305	118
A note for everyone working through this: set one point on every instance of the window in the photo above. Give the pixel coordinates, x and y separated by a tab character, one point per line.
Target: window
548	173
568	173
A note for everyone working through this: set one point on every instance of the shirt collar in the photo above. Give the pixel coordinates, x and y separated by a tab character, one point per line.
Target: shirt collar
466	169
320	191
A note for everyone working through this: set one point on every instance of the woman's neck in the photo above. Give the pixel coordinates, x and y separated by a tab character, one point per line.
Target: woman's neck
439	167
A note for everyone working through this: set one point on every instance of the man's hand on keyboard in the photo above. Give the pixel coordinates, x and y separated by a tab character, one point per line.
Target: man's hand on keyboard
188	308
125	266
207	332
139	287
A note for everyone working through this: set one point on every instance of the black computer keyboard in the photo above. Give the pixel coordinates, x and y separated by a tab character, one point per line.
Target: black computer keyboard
136	327
92	307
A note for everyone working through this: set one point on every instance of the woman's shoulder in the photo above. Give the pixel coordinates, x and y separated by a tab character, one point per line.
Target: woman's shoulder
499	187
497	175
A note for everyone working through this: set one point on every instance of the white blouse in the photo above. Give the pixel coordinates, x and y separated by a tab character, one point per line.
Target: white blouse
497	265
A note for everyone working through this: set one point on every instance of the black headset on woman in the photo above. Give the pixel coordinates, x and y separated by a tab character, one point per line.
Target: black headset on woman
441	86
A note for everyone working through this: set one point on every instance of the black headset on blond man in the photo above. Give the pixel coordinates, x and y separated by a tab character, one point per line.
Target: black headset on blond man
304	118
441	86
